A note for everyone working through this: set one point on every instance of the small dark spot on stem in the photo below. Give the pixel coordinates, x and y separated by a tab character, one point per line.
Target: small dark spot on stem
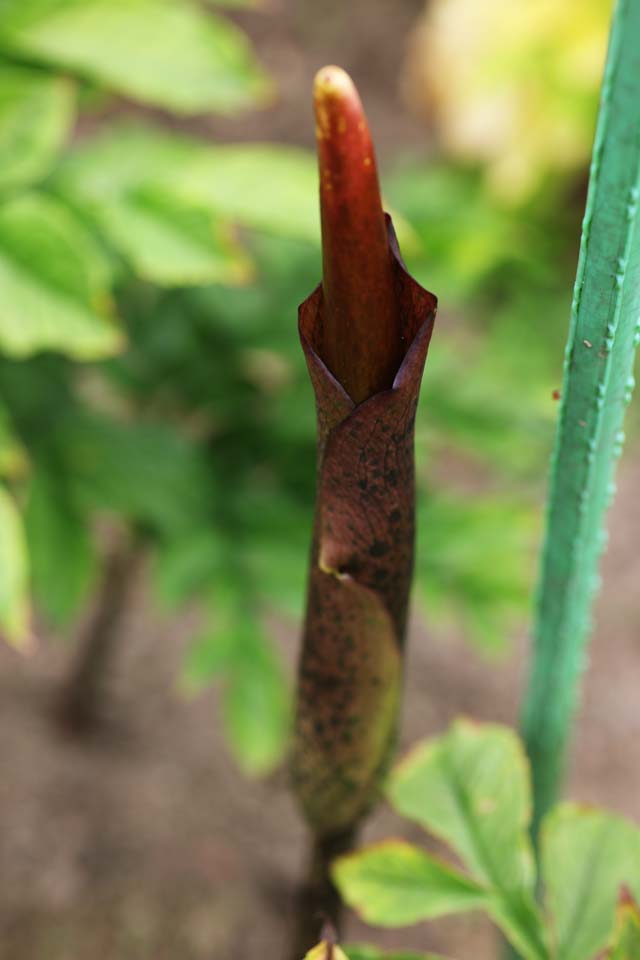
378	548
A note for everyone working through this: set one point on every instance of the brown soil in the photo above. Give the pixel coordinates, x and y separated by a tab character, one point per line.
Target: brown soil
147	844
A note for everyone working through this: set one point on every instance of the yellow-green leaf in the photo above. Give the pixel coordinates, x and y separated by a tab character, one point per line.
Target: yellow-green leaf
266	187
173	243
587	856
165	52
256	703
394	883
326	951
36	111
125	181
14	608
61	549
53	289
255	697
626	938
13	457
471	788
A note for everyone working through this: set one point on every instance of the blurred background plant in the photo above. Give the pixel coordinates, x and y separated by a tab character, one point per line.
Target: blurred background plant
152	390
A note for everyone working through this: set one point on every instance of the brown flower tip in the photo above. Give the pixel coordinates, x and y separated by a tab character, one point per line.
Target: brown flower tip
361	339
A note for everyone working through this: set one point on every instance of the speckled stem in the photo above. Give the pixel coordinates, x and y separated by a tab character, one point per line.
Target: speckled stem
365	333
360	574
597	388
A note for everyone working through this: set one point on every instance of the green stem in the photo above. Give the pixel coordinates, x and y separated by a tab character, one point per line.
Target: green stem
597	387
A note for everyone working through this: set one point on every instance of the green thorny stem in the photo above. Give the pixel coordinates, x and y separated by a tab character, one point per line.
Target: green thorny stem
365	333
598	383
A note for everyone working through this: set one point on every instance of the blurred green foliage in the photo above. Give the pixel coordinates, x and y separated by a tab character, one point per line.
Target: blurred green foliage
172	268
512	86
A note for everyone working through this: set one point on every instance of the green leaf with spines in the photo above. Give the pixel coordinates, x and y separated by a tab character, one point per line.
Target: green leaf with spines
36	114
167	53
597	387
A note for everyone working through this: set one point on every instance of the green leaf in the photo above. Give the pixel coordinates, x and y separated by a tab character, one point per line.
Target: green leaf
597	386
53	292
626	939
587	856
187	565
157	51
262	186
144	470
13	456
163	52
256	706
14	607
125	182
471	788
468	574
464	233
36	112
394	883
125	158
255	700
62	552
171	242
215	650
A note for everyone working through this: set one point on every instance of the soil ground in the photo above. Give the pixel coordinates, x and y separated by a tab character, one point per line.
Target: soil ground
146	843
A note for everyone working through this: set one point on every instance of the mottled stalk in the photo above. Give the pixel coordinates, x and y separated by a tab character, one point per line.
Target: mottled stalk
598	381
365	333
